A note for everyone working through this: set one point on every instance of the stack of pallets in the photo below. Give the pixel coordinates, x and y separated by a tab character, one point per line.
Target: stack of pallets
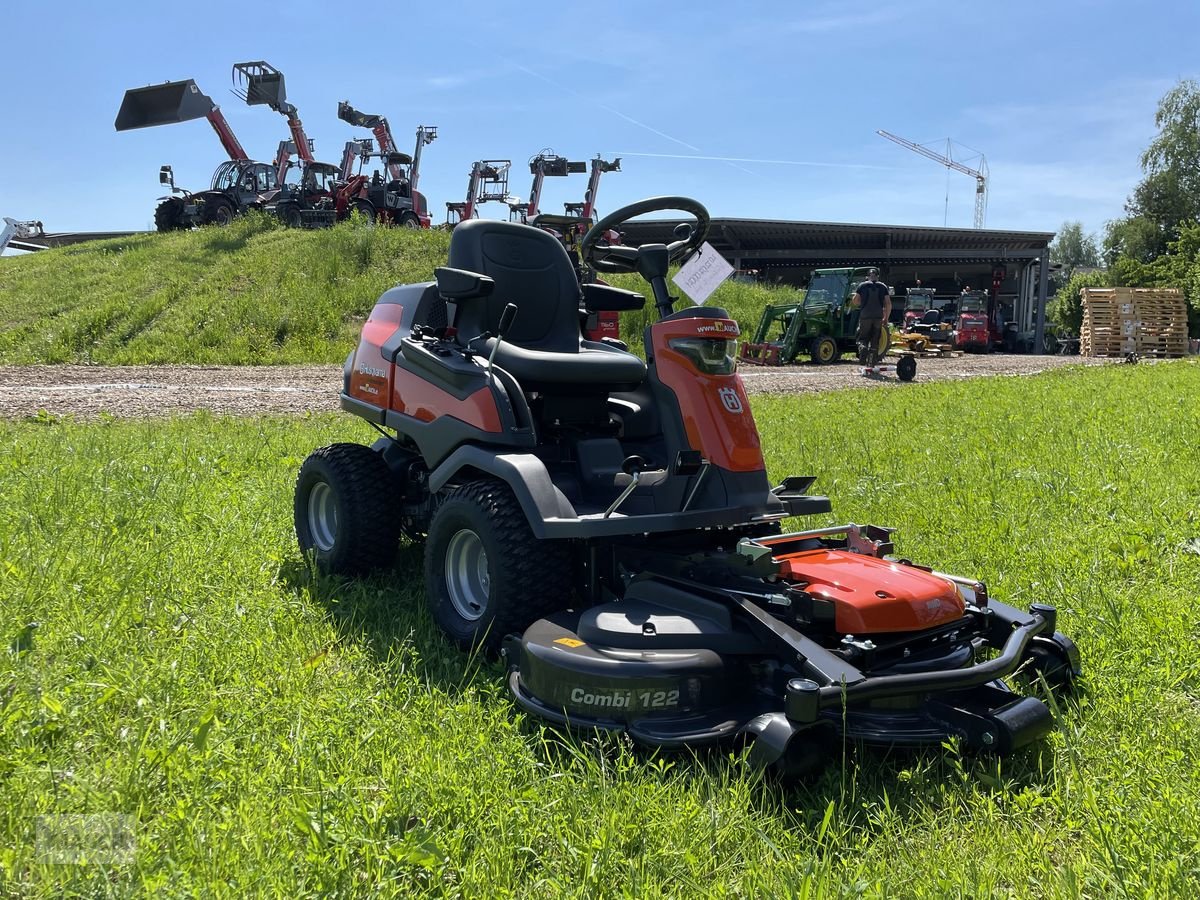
1145	321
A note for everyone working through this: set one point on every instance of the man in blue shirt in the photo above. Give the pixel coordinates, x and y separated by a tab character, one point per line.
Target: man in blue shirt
874	302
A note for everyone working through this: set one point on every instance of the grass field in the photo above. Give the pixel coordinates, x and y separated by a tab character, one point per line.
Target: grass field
250	294
272	735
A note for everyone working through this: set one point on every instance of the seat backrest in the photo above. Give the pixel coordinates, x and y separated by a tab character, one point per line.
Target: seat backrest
931	317
531	269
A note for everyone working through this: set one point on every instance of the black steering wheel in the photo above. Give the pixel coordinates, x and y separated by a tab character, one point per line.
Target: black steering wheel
619	258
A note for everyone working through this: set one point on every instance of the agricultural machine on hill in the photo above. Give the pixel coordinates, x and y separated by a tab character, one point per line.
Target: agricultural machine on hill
393	198
571	227
608	525
236	185
488	181
14	230
587	209
546	163
309	194
824	324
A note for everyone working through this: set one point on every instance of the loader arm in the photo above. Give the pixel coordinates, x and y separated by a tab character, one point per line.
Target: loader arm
426	134
379	127
472	191
599	167
225	134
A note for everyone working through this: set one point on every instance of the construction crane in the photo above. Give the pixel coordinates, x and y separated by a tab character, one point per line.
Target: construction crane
980	174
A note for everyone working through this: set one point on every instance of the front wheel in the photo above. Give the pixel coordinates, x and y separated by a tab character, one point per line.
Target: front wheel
346	510
169	215
366	209
906	368
486	575
410	220
824	350
289	215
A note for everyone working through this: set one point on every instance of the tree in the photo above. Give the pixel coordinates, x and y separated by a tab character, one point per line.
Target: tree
1071	248
1136	238
1169	194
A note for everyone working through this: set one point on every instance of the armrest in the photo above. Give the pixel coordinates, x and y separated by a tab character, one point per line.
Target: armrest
459	284
606	298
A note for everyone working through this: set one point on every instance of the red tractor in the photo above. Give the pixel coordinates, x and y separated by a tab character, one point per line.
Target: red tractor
394	199
309	193
971	331
918	302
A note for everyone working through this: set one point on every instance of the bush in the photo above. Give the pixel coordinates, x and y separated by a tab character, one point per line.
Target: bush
1066	308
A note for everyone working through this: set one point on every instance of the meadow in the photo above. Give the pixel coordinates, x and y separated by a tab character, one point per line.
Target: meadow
168	657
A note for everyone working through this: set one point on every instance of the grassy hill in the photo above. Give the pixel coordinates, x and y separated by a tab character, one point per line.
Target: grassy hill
252	293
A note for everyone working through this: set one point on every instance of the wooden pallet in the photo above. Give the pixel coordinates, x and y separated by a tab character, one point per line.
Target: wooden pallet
1145	321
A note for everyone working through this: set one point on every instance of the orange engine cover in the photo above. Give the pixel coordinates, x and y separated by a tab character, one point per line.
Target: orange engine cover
872	595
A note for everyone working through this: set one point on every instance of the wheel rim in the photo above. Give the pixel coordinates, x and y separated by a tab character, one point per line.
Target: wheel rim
322	516
825	351
467	578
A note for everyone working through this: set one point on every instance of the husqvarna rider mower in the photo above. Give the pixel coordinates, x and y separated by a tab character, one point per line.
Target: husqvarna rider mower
608	523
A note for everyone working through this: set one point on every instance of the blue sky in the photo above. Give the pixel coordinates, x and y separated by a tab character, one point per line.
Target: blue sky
1059	95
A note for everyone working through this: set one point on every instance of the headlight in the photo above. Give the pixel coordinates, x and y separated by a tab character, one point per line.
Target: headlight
712	357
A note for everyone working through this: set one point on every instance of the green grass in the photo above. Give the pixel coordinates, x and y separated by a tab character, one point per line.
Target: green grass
250	294
274	735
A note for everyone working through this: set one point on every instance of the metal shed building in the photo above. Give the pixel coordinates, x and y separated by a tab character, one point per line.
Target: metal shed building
946	259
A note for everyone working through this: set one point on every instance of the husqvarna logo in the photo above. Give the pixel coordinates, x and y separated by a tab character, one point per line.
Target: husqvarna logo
731	400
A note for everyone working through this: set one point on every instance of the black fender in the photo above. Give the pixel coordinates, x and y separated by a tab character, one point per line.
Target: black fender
524	473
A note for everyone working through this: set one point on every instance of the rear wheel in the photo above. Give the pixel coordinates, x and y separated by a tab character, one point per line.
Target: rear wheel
169	215
486	575
218	212
824	350
346	510
409	220
885	341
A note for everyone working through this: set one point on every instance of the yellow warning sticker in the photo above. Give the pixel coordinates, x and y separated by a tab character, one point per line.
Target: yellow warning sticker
569	642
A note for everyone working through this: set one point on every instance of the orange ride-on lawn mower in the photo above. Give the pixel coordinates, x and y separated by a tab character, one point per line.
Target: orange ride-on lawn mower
607	523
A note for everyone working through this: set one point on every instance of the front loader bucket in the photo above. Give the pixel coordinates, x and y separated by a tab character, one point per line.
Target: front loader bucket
163	104
263	84
352	116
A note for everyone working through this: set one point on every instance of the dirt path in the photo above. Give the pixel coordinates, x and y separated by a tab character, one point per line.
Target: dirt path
86	392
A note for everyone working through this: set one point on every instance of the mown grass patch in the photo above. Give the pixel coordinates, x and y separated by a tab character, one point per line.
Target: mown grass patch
274	734
253	293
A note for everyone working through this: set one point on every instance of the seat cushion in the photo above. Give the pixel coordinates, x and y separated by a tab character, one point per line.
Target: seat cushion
588	366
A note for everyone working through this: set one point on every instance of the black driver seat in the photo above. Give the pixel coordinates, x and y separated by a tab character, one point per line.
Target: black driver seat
544	347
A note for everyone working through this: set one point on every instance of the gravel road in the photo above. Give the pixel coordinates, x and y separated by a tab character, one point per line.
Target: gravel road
86	392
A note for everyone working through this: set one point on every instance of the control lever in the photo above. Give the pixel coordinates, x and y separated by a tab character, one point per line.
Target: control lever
506	320
632	466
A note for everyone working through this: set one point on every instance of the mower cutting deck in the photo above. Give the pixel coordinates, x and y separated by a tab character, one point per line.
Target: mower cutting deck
608	523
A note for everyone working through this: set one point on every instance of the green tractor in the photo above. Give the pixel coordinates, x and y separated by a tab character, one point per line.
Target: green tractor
823	324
